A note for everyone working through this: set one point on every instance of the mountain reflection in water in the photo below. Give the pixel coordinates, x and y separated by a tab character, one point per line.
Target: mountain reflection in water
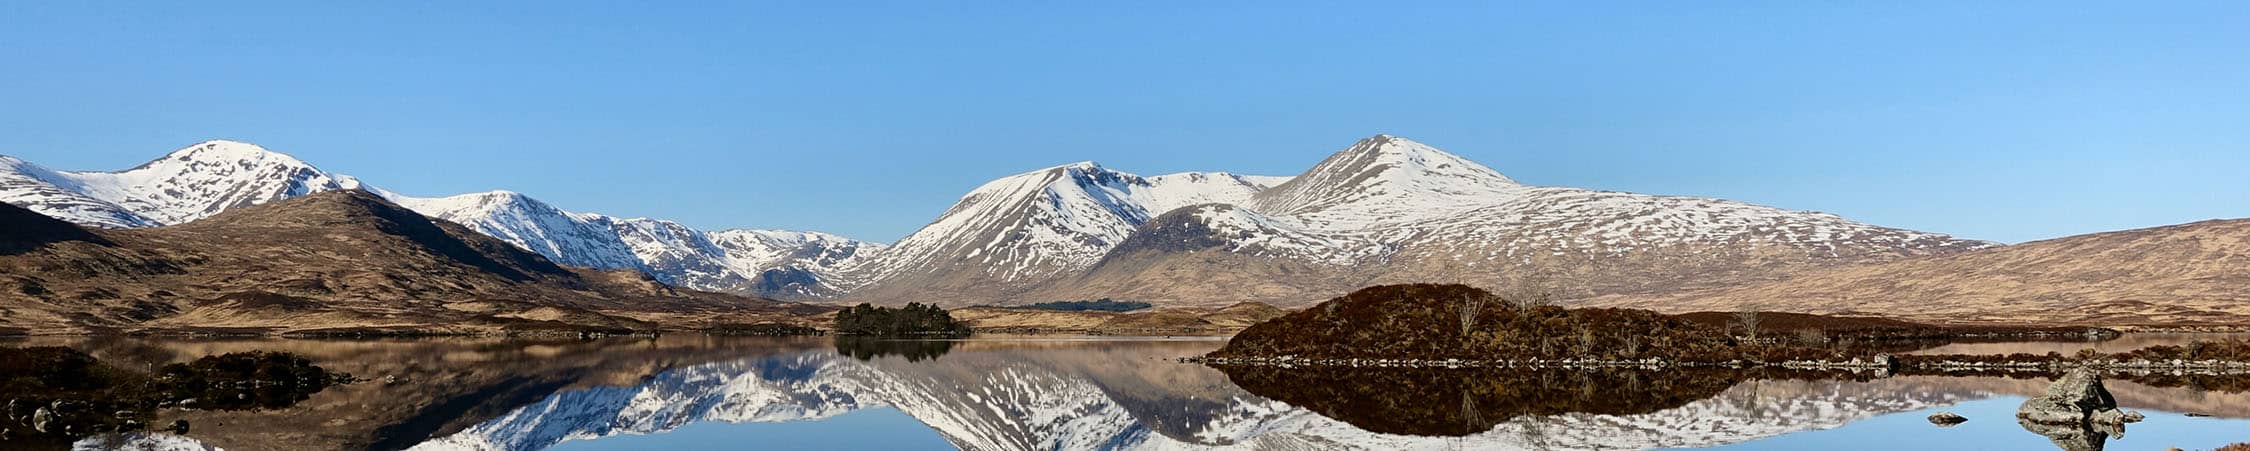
1043	394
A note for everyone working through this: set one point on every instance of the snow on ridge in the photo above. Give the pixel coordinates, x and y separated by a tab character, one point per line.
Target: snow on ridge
53	194
1036	224
204	179
1256	234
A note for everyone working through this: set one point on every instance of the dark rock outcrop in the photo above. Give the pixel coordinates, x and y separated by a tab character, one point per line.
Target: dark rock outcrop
1947	419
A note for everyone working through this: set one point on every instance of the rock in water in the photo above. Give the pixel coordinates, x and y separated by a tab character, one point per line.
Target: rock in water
2077	398
40	418
2076	412
1947	419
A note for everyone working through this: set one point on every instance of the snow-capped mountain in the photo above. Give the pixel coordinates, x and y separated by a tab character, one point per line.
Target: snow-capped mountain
186	185
1383	210
1035	226
984	403
210	177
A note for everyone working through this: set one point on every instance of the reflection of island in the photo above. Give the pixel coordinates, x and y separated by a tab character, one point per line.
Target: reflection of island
1442	402
497	394
868	348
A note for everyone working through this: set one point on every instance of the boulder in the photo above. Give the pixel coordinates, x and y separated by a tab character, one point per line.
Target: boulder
2076	398
1947	419
40	419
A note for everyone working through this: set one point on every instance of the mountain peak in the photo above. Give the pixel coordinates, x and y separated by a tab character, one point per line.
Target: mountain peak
493	194
1081	166
1393	150
1384	167
222	151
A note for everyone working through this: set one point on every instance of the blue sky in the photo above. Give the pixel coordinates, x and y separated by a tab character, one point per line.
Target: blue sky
2008	121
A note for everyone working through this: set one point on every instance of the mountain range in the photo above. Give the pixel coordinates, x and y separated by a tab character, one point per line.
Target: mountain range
1383	210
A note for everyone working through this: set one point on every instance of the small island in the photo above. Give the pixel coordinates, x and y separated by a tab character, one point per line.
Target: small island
912	320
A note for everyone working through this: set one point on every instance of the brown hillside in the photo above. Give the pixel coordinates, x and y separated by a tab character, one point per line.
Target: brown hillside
332	261
2180	274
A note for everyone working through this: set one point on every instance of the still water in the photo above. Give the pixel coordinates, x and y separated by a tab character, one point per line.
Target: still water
696	392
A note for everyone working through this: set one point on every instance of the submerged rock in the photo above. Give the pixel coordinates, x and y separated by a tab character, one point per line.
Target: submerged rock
1947	419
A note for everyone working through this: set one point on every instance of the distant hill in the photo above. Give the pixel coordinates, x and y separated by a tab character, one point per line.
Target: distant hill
326	262
2187	273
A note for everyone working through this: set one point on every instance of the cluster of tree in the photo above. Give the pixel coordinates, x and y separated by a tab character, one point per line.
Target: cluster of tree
1097	305
56	394
915	319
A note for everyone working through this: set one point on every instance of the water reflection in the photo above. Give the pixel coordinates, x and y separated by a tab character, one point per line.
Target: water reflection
868	348
1459	402
982	394
2122	343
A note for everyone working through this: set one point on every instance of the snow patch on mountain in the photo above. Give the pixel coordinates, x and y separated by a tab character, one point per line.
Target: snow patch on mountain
1251	233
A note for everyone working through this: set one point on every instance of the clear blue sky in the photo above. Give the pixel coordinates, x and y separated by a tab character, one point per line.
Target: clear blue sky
2007	121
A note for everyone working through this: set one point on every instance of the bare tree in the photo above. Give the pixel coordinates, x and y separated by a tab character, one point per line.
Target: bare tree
1528	290
1471	306
1748	317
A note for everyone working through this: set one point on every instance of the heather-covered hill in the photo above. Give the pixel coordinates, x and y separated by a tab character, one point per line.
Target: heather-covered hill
340	260
2188	273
